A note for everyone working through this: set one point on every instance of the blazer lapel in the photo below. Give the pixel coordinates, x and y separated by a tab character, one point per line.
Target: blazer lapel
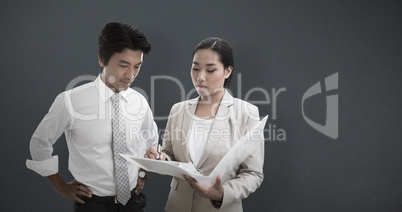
186	127
220	125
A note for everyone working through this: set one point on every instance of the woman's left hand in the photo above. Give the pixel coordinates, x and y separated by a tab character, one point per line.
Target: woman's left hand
215	192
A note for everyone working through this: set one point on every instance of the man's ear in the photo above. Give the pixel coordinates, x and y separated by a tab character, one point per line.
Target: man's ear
228	71
100	62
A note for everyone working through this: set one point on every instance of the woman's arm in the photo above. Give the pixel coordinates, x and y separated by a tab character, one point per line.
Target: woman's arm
250	174
248	179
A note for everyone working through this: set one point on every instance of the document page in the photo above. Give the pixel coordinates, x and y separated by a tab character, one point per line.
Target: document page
172	168
243	148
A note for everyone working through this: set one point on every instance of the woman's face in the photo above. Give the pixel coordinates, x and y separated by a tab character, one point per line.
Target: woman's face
208	73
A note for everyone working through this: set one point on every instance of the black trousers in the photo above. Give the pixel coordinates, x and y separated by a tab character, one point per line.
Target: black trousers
136	203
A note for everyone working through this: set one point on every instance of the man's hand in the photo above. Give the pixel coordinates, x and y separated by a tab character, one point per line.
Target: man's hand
152	153
69	190
73	189
140	185
215	192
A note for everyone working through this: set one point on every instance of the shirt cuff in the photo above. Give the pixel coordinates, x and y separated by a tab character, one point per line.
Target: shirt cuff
228	196
45	167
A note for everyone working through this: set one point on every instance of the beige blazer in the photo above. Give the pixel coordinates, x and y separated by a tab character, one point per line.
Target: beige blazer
233	119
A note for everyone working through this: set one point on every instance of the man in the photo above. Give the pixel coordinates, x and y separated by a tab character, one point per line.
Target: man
101	120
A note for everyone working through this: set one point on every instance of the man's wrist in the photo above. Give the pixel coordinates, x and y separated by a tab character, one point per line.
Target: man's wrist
142	174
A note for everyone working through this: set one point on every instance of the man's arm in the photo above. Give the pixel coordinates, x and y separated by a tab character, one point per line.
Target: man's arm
41	146
167	147
45	136
149	131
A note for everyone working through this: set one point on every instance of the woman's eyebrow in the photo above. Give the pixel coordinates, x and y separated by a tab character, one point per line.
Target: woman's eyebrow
209	64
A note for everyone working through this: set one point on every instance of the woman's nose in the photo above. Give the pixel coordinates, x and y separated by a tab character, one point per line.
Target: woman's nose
201	76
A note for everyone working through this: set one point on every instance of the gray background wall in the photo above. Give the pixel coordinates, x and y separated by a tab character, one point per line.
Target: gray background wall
277	44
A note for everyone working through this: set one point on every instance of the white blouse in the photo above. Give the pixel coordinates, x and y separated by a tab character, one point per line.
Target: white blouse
197	141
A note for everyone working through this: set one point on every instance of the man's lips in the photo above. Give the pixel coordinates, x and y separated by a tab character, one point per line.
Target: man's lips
126	82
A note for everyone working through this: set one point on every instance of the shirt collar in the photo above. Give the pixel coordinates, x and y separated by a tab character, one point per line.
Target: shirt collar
105	92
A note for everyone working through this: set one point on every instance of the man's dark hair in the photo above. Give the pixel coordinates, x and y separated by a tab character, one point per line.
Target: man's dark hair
115	37
223	49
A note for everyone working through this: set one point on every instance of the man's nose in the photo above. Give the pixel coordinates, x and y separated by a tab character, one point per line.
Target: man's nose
131	73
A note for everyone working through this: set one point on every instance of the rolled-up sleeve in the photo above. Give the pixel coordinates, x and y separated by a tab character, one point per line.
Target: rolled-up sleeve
52	126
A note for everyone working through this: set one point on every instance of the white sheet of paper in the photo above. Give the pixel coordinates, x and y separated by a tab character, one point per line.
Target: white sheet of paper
244	147
172	168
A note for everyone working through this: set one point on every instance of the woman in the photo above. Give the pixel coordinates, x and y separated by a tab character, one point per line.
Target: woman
202	130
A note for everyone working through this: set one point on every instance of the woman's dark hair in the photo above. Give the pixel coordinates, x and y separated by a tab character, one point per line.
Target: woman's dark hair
115	37
223	49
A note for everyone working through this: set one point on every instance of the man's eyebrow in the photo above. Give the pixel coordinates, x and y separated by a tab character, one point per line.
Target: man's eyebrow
123	61
126	62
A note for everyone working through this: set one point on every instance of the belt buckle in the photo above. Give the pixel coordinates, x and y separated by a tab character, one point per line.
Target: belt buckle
115	199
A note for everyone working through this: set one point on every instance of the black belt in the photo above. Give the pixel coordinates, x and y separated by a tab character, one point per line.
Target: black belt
106	199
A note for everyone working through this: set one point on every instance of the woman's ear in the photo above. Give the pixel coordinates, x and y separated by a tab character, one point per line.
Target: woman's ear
228	71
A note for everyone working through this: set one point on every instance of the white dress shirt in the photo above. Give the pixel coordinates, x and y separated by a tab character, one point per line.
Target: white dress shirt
84	115
198	138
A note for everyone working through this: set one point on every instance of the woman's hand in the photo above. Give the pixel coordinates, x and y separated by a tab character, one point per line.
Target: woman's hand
152	153
215	192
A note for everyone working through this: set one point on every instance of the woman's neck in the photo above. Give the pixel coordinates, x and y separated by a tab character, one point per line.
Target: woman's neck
213	99
208	105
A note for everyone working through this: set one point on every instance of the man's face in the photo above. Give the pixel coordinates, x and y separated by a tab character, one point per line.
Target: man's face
122	69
